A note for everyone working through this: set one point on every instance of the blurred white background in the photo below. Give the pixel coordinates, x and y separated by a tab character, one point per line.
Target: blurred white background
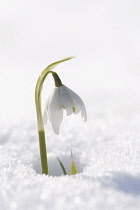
103	35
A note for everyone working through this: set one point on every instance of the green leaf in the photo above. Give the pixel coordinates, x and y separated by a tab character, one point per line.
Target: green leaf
73	167
62	166
53	65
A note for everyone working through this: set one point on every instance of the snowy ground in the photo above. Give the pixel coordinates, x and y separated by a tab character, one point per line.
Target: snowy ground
106	149
106	152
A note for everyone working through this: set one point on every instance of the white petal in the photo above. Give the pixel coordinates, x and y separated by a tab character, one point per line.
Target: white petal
83	112
55	110
77	103
45	114
65	100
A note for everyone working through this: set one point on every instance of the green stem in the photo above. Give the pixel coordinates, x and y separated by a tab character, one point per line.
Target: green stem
41	133
43	152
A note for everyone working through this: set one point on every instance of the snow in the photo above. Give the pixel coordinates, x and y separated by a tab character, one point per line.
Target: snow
106	153
104	36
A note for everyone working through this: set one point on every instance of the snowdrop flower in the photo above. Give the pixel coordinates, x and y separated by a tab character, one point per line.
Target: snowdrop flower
62	98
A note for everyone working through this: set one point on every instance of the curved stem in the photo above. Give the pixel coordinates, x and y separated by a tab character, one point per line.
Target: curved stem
41	133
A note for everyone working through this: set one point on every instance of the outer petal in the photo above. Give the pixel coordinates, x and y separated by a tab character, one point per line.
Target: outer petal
55	110
65	100
45	114
83	112
77	103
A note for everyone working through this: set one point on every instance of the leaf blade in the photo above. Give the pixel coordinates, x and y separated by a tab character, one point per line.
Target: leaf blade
72	167
62	166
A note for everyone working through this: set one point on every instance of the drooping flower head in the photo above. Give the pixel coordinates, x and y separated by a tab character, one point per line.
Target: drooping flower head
62	98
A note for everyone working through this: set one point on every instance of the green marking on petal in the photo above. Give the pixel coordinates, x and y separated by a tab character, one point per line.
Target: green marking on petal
73	109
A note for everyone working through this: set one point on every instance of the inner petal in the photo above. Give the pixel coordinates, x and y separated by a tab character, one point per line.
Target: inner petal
65	100
73	108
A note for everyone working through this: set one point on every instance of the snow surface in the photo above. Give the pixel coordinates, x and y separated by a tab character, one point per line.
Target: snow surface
104	35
